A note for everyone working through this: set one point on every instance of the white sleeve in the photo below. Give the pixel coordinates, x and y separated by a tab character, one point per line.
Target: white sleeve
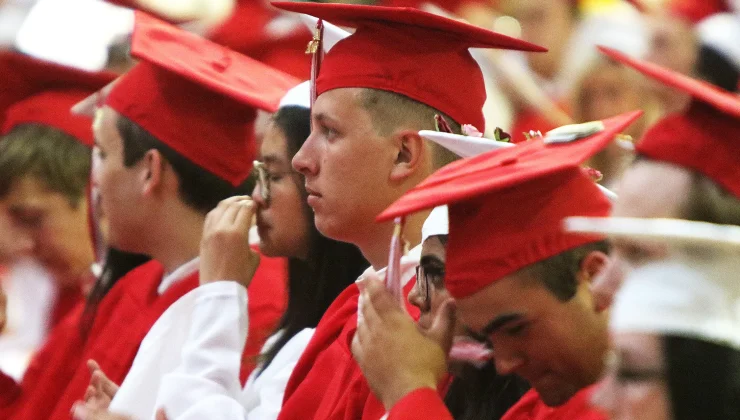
263	394
206	383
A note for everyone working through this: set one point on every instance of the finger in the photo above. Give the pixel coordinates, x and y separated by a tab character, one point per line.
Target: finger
443	327
228	216
381	299
357	350
92	366
215	215
370	317
245	215
108	387
90	393
161	415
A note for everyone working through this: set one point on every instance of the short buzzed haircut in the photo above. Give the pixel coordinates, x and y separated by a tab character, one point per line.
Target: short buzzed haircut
390	110
55	158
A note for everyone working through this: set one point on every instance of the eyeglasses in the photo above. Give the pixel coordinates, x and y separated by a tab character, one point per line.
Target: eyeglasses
426	282
263	179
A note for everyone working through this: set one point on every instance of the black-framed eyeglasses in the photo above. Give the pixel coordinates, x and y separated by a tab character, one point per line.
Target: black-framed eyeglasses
427	282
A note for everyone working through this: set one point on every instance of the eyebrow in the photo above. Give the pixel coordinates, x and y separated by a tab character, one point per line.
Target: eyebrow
500	321
322	117
431	260
271	159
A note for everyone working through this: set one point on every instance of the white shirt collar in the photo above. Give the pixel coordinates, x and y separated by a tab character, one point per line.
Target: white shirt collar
180	273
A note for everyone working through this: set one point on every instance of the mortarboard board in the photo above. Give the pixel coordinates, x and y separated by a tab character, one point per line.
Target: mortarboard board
410	52
702	138
506	206
196	96
692	292
37	91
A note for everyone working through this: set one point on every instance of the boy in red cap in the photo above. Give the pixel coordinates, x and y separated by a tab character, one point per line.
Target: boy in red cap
519	282
44	171
375	90
693	155
172	140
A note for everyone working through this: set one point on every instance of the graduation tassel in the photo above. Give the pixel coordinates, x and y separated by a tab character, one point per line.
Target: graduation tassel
393	273
316	48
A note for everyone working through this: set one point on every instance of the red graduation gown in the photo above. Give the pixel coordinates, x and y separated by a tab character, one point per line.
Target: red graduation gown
268	297
531	407
124	318
427	404
327	383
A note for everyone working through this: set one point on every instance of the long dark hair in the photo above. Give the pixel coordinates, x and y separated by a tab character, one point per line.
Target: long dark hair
331	266
483	394
117	264
703	379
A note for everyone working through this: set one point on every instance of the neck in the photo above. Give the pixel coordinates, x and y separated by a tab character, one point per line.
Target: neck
178	239
376	247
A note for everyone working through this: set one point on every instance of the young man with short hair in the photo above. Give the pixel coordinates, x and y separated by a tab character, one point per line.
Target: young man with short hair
519	283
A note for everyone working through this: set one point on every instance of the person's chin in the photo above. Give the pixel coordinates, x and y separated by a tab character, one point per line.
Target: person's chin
554	395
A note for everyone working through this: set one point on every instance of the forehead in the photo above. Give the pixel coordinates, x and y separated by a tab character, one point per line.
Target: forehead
515	293
652	189
433	246
274	144
30	191
340	103
104	127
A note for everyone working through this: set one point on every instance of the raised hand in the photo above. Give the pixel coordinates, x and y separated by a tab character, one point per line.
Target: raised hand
395	355
225	253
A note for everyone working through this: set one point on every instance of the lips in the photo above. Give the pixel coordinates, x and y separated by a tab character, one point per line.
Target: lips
312	192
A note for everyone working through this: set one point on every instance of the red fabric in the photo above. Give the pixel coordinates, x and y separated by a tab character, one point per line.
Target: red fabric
500	169
187	88
36	91
532	185
424	403
121	324
695	11
404	50
43	382
327	383
531	407
283	51
267	301
529	120
703	138
68	298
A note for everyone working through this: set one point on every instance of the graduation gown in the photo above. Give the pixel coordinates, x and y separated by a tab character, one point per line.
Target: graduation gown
58	376
327	383
125	316
427	404
531	407
196	348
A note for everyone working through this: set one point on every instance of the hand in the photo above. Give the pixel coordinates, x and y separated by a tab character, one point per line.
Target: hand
395	355
225	253
101	390
79	412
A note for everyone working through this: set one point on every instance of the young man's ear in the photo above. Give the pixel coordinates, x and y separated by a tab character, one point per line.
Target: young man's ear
152	171
410	154
592	265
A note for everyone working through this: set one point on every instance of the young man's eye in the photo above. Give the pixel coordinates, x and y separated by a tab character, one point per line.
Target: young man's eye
516	330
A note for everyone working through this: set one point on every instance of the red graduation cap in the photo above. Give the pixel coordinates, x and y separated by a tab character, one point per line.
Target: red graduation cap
407	51
705	138
506	206
36	91
197	97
